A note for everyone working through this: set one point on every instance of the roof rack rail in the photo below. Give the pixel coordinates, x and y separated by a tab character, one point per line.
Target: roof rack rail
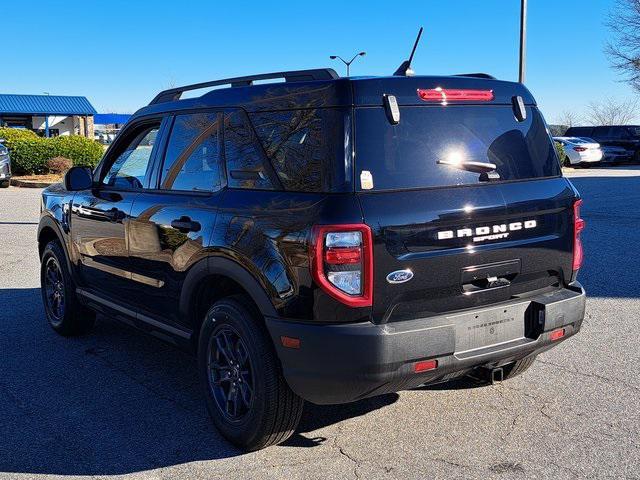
475	75
174	94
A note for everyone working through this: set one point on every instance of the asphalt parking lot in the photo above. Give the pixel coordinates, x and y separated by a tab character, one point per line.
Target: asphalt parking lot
117	402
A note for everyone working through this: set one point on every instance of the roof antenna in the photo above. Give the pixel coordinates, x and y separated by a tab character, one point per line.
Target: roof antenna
404	70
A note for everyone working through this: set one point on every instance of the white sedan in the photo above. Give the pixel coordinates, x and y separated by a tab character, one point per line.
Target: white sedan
580	151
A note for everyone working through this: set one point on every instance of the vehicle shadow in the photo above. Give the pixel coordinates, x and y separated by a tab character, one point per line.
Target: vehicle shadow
115	401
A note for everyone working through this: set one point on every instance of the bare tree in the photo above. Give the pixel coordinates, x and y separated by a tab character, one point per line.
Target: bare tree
568	119
612	112
624	49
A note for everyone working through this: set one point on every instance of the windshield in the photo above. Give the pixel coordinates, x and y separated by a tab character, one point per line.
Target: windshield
405	156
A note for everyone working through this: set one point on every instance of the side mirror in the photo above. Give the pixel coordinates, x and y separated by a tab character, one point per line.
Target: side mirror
78	178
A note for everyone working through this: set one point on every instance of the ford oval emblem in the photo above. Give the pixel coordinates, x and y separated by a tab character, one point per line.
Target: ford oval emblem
400	276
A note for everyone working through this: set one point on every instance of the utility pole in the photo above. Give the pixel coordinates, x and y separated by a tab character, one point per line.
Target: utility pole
523	39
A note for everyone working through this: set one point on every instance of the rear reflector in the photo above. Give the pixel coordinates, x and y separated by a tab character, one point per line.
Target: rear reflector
290	342
342	256
425	366
556	334
445	95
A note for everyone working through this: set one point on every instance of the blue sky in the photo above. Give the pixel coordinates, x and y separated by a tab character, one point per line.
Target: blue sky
120	53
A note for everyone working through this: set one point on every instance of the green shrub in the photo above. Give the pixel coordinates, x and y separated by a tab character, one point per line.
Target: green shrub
82	151
562	156
29	156
12	134
30	153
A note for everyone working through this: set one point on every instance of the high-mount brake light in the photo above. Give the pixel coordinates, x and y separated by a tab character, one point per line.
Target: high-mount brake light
341	260
445	95
578	226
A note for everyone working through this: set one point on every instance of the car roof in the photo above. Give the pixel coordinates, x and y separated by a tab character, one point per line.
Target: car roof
334	92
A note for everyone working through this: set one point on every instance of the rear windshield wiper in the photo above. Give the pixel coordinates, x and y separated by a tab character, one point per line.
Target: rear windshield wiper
476	167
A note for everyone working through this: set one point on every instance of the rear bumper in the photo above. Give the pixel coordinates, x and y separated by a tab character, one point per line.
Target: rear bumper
344	363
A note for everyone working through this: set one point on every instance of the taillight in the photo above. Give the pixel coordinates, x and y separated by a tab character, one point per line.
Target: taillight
579	149
445	95
578	226
342	262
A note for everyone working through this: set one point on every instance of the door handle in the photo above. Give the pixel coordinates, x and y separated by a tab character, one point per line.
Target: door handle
185	224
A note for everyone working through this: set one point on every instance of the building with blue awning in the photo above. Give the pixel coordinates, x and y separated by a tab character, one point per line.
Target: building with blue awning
108	125
48	115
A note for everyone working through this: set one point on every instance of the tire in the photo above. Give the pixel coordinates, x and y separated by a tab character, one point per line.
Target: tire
265	411
5	184
65	314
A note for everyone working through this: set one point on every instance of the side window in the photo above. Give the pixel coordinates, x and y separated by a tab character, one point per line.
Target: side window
192	160
246	165
130	167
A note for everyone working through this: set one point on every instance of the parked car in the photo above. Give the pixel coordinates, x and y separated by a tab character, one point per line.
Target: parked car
623	136
580	151
324	239
5	166
614	155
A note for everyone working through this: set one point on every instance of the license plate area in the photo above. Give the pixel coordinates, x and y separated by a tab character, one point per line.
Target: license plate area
489	327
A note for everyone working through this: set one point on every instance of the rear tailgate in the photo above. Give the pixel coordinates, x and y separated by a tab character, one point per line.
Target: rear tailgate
449	273
466	242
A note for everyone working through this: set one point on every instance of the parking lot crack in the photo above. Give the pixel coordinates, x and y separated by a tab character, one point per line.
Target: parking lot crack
590	375
344	453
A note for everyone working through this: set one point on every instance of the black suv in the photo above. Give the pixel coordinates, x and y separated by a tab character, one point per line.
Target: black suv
625	136
324	239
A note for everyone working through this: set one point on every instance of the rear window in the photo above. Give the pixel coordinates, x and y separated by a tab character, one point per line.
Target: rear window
309	149
404	156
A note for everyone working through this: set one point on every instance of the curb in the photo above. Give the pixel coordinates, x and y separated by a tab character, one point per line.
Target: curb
30	183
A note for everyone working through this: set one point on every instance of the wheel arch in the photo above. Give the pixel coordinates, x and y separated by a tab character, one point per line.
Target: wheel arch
49	230
213	278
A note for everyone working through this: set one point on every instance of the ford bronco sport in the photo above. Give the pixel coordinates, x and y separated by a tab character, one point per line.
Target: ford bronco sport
323	239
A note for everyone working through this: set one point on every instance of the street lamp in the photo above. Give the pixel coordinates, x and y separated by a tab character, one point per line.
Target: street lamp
348	64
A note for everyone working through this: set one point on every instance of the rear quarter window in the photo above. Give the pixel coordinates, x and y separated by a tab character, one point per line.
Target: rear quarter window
307	148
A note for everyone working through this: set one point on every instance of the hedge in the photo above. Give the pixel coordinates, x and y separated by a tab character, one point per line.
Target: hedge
562	156
30	153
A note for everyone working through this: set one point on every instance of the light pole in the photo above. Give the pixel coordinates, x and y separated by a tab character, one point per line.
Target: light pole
523	39
348	64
